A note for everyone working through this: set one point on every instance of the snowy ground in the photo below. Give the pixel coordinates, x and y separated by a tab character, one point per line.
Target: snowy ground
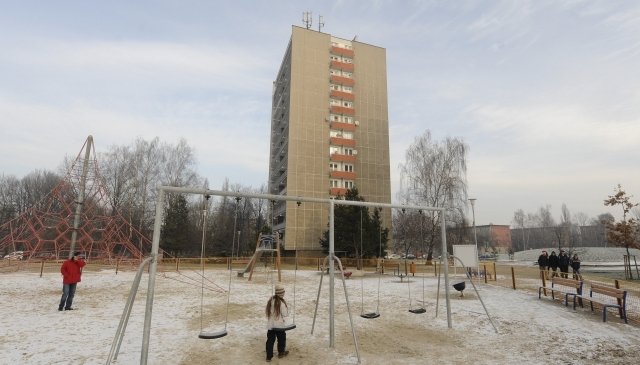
529	329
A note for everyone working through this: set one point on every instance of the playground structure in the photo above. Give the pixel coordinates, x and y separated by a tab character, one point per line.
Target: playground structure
269	244
331	259
75	216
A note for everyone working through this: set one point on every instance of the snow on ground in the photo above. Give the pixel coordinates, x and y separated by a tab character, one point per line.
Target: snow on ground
532	330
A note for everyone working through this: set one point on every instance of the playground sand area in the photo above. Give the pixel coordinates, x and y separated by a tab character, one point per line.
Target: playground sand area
528	329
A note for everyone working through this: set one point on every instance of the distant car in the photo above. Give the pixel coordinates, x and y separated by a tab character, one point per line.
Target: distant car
392	256
16	255
411	256
46	256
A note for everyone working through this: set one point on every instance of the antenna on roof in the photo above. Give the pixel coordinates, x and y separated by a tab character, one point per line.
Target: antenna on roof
307	19
320	23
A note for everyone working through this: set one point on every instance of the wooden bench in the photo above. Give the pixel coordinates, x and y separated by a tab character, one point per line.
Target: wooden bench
609	293
566	284
390	266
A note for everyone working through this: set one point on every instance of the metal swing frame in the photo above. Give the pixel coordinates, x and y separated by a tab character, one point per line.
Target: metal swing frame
153	258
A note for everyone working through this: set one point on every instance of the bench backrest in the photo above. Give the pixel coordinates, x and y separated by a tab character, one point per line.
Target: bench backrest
608	291
576	284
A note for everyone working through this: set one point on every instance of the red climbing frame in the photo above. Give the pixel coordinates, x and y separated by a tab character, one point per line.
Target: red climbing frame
47	227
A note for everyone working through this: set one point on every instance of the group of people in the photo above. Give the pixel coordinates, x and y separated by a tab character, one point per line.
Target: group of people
562	261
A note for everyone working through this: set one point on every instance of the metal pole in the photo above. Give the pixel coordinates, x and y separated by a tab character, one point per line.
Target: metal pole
475	236
445	254
152	277
80	200
332	333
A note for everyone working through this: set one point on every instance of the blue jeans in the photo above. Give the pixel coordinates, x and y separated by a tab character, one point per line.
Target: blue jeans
68	292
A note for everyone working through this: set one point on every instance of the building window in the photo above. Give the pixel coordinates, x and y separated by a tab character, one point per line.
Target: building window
333	166
348	168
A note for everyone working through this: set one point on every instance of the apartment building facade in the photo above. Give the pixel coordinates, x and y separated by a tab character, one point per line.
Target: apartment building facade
329	131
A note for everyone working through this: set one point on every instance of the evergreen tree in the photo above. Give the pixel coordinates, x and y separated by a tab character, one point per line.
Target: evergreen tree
175	232
356	233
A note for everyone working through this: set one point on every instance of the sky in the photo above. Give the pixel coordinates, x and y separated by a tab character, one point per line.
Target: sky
546	94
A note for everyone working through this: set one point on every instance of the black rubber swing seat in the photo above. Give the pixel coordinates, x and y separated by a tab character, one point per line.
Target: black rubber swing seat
212	335
285	328
370	315
459	286
417	310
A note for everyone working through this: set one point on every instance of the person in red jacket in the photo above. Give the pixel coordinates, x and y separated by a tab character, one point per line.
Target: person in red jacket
71	271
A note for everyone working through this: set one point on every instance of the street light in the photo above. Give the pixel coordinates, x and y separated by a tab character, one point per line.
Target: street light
475	236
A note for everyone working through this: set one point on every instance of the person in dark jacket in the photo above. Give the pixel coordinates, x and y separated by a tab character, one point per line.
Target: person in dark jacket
575	265
553	263
71	271
563	263
543	263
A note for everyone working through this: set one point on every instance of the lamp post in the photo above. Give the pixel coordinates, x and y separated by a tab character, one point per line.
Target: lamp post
475	236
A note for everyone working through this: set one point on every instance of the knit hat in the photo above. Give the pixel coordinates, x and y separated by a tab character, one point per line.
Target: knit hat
279	290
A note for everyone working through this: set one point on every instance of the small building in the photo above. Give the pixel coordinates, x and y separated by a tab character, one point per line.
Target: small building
494	238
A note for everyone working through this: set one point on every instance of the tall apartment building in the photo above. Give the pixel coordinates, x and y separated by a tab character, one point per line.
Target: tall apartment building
329	131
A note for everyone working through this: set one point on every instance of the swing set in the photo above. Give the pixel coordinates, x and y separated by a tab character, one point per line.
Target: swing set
152	261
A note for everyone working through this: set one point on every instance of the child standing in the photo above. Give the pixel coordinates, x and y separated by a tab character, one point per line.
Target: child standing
276	312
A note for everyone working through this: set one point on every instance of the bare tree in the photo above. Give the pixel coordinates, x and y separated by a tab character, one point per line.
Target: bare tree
118	175
9	198
435	174
178	169
519	221
148	159
562	230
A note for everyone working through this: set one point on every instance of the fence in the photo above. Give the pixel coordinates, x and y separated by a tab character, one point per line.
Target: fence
517	277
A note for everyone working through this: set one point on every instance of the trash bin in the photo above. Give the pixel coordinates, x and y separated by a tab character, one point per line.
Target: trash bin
412	268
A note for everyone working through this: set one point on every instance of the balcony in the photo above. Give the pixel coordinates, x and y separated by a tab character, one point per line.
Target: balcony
337	157
342	52
341	80
347	175
343	110
342	95
343	126
342	66
337	191
337	141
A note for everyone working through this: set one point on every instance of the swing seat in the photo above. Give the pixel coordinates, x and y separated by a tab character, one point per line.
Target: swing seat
459	286
212	335
371	315
417	310
285	328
